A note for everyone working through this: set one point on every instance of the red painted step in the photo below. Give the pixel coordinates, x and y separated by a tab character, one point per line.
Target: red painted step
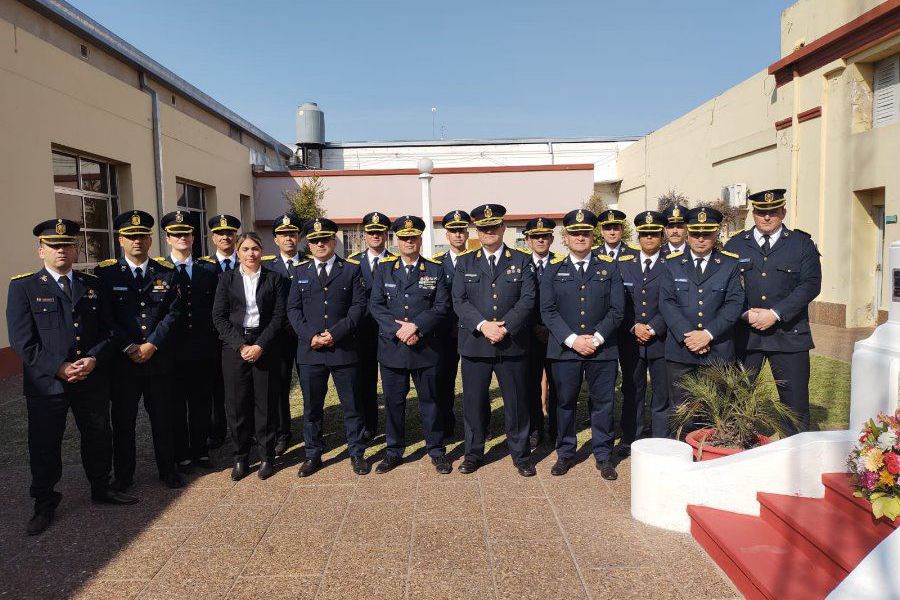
759	560
838	491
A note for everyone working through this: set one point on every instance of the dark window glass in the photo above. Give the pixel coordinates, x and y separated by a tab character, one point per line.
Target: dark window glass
96	215
96	246
69	207
194	197
180	194
65	170
93	176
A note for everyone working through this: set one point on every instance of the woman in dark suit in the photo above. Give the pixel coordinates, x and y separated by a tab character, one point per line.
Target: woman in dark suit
249	314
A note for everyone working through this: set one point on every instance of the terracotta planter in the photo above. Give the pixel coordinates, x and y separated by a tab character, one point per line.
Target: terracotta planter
696	438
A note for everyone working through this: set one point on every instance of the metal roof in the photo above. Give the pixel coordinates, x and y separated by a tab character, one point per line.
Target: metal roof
479	142
79	23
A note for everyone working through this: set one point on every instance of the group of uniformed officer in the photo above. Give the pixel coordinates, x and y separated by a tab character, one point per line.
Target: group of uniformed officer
543	323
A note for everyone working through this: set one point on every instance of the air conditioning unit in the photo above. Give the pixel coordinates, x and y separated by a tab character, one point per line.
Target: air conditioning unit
735	195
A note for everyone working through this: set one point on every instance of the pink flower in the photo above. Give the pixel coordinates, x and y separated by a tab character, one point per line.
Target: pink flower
869	480
892	462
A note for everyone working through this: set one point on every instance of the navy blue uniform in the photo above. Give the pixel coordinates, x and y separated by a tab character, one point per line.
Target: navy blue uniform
449	363
142	313
785	280
538	364
642	306
47	329
505	294
338	307
287	349
423	298
583	304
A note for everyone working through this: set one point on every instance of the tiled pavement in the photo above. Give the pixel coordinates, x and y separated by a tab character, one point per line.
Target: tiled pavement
407	534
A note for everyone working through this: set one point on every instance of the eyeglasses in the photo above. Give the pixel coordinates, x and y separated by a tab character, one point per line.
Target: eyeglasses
180	235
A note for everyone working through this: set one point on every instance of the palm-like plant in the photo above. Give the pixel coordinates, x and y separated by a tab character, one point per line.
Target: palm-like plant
729	399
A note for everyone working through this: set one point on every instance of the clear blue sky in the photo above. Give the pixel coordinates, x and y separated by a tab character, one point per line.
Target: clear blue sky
492	68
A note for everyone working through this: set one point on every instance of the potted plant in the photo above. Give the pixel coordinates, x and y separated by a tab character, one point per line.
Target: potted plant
728	410
874	465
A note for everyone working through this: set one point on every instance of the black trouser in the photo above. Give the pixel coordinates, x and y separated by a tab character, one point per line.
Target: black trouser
368	374
130	383
217	424
46	426
287	357
251	398
601	378
314	386
395	383
677	396
538	365
634	392
192	393
791	371
476	375
446	379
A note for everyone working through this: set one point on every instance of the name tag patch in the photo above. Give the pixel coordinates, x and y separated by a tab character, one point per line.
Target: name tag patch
39	299
628	283
120	288
302	281
390	285
680	280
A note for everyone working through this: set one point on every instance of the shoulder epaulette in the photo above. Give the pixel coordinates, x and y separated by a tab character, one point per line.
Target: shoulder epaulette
469	251
633	247
439	254
303	262
595	246
809	235
431	260
558	255
107	263
389	253
355	254
524	250
268	257
208	259
604	257
387	259
675	254
726	253
164	262
352	261
21	275
557	260
626	258
88	275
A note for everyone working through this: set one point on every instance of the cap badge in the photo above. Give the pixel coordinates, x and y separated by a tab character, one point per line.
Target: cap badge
179	217
408	224
135	219
648	218
769	196
285	220
540	224
457	216
701	216
676	212
317	226
60	227
579	216
375	219
488	213
223	222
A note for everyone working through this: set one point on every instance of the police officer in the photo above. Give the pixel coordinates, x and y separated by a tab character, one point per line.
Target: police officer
676	229
223	230
194	342
644	334
58	322
493	296
538	234
410	300
286	232
582	303
782	274
700	298
145	309
375	226
456	229
325	306
612	228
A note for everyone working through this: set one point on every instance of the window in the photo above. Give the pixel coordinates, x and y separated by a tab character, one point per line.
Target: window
886	87
192	199
86	192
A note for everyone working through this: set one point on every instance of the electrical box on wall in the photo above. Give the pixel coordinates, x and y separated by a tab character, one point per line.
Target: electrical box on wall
735	195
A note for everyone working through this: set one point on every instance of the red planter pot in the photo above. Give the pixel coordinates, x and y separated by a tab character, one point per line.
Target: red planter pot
696	438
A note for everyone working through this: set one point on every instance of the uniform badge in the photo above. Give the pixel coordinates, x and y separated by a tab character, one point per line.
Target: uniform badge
317	226
223	222
60	227
579	216
676	212
717	260
285	220
375	219
44	278
648	219
769	196
407	224
488	213
135	219
539	224
701	216
179	217
91	294
456	216
603	272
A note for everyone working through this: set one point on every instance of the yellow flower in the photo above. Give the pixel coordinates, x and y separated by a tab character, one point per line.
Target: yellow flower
874	459
886	479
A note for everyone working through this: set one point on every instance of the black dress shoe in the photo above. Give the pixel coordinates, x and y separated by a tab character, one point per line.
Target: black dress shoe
526	469
40	521
469	466
121	485
172	480
534	439
607	470
360	465
281	446
113	497
623	450
215	442
240	470
266	469
561	467
309	466
204	462
388	464
368	435
442	464
184	468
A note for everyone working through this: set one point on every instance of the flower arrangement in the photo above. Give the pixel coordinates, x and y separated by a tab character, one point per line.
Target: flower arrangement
875	465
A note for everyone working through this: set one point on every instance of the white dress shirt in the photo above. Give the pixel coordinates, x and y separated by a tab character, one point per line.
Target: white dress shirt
328	264
487	257
133	266
570	339
453	257
607	248
644	258
251	281
773	237
371	256
188	265
541	261
290	261
221	258
57	276
703	264
674	249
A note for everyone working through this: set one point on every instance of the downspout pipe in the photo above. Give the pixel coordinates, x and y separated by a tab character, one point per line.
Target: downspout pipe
157	155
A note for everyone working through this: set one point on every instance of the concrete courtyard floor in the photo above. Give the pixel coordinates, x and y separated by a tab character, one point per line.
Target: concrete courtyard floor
407	534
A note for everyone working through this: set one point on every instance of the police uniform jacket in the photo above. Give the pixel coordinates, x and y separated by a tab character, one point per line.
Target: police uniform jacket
364	269
211	263
339	307
194	336
230	308
623	250
507	295
572	304
786	280
642	303
47	329
147	313
422	298
712	302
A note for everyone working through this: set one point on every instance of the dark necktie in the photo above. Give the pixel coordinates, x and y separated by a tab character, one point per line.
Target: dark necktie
139	277
66	286
699	268
647	263
765	245
493	261
540	268
183	279
374	263
580	267
323	274
227	265
611	253
409	271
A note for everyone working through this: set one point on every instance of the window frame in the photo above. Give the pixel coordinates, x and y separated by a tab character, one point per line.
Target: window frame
203	235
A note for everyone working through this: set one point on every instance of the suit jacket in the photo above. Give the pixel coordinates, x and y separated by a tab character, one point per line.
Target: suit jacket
211	263
712	302
145	313
623	250
194	335
506	295
47	329
572	304
642	305
364	269
230	308
423	299
786	281
338	307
